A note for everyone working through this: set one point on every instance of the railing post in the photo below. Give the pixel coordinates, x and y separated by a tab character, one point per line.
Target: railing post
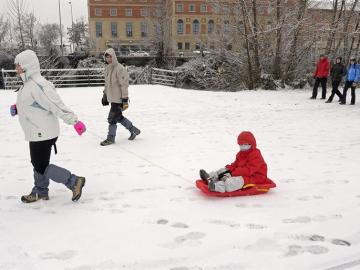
3	78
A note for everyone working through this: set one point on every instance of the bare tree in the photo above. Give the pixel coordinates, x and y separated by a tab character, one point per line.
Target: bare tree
48	37
29	29
4	29
17	10
79	33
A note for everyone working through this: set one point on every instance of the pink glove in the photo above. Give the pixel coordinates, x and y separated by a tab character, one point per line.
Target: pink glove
13	110
80	127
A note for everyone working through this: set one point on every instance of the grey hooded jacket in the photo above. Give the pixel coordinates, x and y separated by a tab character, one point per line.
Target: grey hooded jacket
116	79
38	104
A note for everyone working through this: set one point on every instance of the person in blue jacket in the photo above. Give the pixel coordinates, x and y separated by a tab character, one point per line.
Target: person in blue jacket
352	77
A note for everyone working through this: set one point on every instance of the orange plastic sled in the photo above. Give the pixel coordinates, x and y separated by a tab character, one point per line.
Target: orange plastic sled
248	190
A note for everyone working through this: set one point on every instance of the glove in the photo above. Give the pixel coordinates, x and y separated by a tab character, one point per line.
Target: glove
104	100
80	127
124	103
13	110
225	176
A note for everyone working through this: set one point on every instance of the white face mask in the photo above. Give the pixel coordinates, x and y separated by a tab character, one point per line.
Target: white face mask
23	76
245	147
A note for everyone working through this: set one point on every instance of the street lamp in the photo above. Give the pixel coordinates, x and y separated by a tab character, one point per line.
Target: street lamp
72	27
61	43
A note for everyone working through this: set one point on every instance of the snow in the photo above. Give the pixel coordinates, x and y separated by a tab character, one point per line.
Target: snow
140	208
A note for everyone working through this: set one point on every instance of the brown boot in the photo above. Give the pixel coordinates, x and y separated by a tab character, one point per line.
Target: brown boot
77	189
33	197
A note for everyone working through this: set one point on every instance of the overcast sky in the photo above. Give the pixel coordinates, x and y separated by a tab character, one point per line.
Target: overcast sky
47	11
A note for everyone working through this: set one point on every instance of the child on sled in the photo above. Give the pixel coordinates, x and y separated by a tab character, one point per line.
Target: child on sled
248	169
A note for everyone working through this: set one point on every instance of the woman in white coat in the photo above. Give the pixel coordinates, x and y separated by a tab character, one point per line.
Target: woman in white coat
39	107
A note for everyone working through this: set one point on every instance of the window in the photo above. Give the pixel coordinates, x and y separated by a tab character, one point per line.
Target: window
210	26
187	46
268	26
197	46
179	7
113	12
180	26
229	47
192	8
114	29
144	12
241	27
98	29
128	12
180	46
129	29
196	27
144	29
98	11
203	8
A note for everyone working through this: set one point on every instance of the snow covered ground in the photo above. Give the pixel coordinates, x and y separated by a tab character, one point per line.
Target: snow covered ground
140	209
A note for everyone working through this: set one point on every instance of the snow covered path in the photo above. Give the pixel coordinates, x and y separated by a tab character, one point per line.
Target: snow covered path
140	209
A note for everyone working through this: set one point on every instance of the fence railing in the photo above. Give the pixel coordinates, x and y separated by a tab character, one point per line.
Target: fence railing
59	77
89	77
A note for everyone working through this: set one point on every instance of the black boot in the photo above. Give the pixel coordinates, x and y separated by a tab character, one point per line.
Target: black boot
107	142
133	133
204	176
328	101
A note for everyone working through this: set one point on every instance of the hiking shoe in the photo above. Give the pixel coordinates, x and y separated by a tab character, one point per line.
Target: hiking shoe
77	189
106	142
342	103
33	197
204	176
134	132
328	101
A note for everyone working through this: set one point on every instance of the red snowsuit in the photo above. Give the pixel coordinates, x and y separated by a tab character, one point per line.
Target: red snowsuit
249	164
322	68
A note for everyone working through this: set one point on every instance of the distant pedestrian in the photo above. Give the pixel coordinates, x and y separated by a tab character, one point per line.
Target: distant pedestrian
116	93
337	72
352	77
320	76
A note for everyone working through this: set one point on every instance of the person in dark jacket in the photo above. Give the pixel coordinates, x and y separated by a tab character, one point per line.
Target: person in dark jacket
248	169
337	72
320	75
352	77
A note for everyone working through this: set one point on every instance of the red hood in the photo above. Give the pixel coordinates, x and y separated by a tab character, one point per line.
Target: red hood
246	137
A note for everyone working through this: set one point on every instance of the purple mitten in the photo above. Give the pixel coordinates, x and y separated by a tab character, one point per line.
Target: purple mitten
80	127
13	110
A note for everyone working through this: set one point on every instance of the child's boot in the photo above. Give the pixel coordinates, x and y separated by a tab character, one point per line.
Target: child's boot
33	197
204	176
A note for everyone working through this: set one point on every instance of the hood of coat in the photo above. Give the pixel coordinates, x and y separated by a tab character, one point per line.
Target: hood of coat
29	62
246	137
113	56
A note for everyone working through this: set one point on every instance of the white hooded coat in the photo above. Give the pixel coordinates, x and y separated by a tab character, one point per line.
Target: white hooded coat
38	104
116	79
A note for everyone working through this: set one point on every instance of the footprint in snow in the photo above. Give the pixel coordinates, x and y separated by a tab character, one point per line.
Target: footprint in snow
62	256
179	225
294	250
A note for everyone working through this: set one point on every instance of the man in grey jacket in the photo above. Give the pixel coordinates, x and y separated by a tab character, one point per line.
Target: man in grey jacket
38	107
116	93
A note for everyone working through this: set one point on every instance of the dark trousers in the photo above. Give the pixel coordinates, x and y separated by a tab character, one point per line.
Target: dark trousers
116	116
349	84
335	90
319	81
40	153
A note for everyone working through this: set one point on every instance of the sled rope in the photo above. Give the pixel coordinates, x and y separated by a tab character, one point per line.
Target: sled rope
147	160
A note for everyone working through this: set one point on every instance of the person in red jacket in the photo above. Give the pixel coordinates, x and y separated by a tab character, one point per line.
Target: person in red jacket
320	75
248	169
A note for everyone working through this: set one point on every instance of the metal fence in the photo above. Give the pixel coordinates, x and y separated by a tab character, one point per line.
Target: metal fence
89	77
59	77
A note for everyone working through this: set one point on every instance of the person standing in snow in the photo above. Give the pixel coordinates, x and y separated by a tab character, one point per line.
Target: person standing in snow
248	169
352	77
320	75
116	93
38	107
337	72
